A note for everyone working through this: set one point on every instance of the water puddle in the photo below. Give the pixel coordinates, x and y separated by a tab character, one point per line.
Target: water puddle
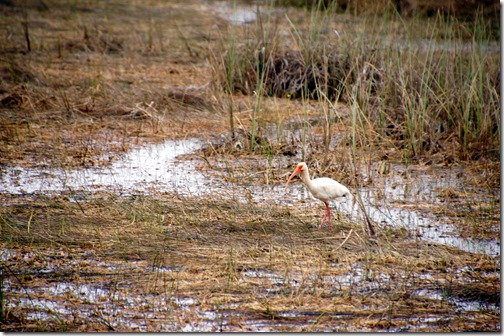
156	168
387	204
237	14
121	310
461	306
360	280
150	167
123	303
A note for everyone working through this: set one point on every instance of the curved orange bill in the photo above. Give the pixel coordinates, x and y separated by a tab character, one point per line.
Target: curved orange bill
294	173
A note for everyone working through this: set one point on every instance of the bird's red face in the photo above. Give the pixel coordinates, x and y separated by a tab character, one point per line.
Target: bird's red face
299	169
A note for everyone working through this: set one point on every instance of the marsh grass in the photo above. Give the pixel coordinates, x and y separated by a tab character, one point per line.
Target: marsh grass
88	90
86	76
428	91
260	261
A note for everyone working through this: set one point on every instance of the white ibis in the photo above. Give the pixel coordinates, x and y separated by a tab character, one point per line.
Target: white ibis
322	188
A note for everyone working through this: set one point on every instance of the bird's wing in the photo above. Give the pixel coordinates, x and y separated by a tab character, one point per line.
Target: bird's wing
326	189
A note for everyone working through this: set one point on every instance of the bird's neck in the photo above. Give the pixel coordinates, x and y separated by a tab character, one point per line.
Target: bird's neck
305	177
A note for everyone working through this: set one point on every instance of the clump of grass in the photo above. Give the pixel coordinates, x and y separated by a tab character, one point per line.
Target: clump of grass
430	93
261	61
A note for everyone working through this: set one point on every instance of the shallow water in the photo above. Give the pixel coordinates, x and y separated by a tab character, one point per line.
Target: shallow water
122	306
155	168
237	14
150	167
106	303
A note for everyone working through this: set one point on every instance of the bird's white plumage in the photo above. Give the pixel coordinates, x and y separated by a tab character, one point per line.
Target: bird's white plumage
326	189
322	188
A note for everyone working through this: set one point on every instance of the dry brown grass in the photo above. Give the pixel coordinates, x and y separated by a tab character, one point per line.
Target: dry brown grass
89	87
100	79
217	246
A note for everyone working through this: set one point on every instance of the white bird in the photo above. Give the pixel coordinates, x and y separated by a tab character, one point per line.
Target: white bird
322	188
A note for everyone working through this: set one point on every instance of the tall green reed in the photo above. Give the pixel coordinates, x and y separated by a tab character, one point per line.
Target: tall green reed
429	89
417	84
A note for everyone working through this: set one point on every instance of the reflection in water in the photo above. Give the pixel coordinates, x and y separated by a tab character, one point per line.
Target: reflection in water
154	166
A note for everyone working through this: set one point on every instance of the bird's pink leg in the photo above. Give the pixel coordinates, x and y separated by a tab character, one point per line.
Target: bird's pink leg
327	215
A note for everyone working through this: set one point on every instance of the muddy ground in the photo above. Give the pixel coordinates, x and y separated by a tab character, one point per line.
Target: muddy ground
85	91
